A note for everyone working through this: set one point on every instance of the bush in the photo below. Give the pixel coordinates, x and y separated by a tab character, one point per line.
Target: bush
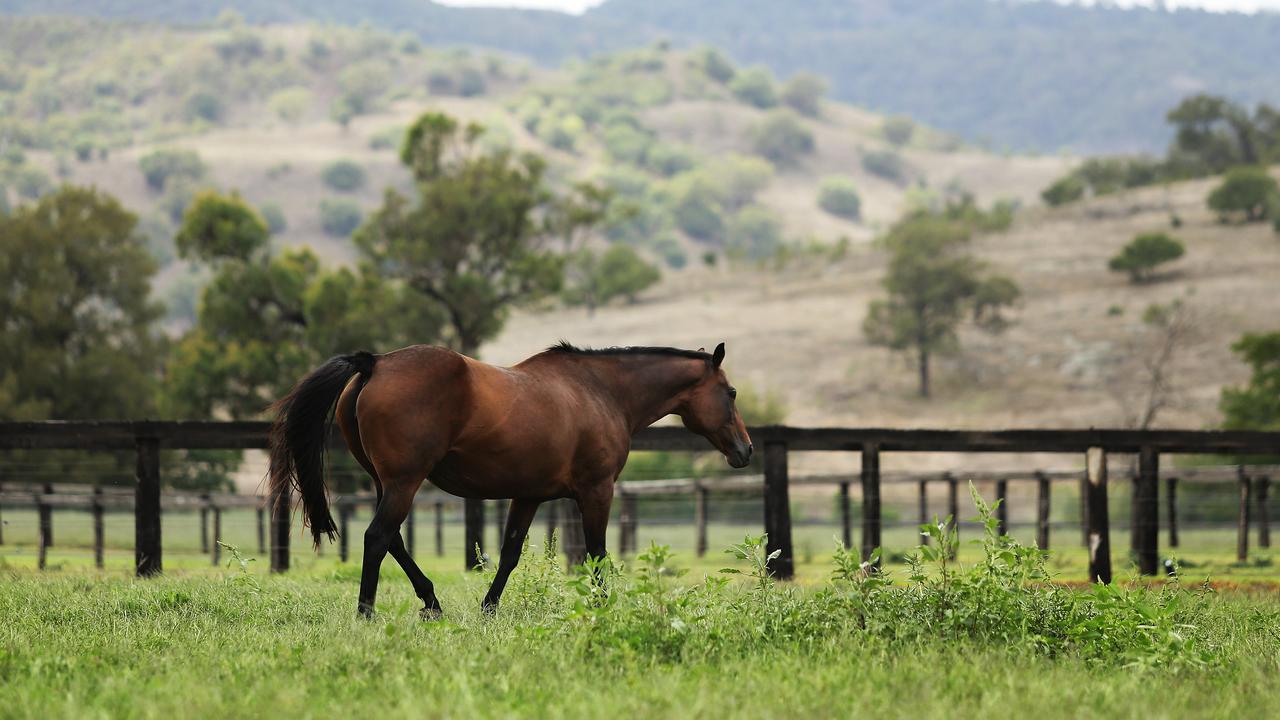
290	104
202	105
627	144
803	93
669	159
274	216
344	176
31	182
162	167
1144	253
754	232
672	253
697	214
782	139
715	65
839	196
1065	190
339	217
885	164
1248	190
898	129
754	86
83	149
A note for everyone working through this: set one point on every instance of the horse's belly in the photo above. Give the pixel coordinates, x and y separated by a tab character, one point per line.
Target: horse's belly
492	478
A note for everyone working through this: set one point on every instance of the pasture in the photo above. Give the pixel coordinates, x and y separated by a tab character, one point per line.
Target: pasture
991	634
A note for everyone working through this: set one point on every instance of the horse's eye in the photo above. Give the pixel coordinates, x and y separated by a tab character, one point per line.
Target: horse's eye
733	392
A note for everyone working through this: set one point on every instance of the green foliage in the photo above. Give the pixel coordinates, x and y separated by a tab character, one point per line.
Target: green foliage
78	338
669	159
339	217
1249	190
696	211
885	164
754	232
31	182
1255	406
714	64
220	227
1144	253
344	176
760	407
206	106
898	129
1064	190
596	279
781	138
931	283
475	240
161	168
274	216
755	87
290	104
803	93
838	195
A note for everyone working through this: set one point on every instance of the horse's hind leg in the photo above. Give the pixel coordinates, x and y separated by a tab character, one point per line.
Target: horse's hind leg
383	533
519	517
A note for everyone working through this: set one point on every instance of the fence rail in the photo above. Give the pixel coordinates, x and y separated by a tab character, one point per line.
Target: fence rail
146	438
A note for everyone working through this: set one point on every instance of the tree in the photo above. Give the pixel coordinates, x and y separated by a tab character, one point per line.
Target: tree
898	129
754	86
163	167
931	284
838	195
715	65
1064	190
754	232
78	339
344	176
1213	134
1256	406
476	240
1144	382
339	217
597	279
803	93
1144	253
781	138
1248	189
885	164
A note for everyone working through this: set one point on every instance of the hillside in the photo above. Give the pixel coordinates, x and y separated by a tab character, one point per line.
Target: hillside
1047	75
1070	359
673	142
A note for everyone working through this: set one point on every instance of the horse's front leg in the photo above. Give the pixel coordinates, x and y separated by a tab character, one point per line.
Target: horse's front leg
594	503
519	517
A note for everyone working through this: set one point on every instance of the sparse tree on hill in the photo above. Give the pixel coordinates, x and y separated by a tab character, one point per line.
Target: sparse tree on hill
931	284
898	129
597	278
803	93
161	168
1144	254
782	139
1248	190
839	196
1255	406
754	86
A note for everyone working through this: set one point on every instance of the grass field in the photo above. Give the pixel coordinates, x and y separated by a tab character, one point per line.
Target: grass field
991	637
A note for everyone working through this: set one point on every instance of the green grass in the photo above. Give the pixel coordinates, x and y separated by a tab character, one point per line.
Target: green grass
233	642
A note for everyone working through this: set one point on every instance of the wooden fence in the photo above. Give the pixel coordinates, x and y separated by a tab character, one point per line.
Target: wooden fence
146	438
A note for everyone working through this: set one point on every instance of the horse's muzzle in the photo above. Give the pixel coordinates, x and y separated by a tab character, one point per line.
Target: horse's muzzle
740	457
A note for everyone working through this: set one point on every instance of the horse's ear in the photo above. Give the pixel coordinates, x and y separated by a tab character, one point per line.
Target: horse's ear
702	349
718	356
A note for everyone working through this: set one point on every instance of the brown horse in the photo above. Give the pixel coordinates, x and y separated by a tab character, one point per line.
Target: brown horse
558	425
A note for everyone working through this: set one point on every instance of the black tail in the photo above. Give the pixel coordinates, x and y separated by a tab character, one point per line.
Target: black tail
299	437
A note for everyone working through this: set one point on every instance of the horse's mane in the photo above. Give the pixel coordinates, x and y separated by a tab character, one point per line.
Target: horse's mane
565	347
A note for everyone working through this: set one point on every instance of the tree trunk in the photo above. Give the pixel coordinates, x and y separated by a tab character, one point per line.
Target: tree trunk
924	373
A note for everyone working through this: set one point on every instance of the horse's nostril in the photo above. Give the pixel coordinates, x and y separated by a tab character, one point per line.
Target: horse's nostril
751	447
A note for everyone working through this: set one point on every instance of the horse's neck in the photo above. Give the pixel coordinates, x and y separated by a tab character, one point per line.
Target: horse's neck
649	387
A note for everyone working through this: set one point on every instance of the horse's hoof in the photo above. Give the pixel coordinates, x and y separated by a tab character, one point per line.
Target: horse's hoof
489	608
365	611
430	613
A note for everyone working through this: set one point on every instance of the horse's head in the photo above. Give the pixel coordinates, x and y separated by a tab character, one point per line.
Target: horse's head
709	410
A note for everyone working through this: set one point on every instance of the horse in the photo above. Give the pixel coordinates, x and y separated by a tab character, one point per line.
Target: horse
557	425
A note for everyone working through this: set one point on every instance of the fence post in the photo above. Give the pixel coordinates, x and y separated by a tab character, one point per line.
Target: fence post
439	522
344	524
281	512
1099	526
1043	499
204	522
575	541
1171	509
846	522
1002	510
409	535
147	548
99	535
45	514
1263	490
260	514
1147	531
777	510
1242	525
217	535
700	517
953	508
473	532
870	500
923	506
1084	509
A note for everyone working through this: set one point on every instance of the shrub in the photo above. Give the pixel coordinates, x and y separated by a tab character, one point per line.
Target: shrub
339	217
754	86
669	159
203	105
839	196
290	104
898	129
1065	190
83	149
697	214
782	139
885	164
803	93
672	253
274	216
31	182
754	232
715	65
627	144
162	167
1249	190
344	176
1144	253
